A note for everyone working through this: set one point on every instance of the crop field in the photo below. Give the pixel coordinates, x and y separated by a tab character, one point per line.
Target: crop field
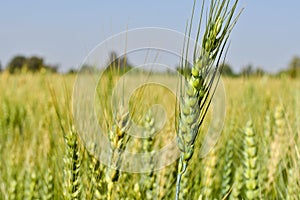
135	126
256	156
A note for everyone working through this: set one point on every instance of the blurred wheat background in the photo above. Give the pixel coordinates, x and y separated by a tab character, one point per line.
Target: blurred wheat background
257	155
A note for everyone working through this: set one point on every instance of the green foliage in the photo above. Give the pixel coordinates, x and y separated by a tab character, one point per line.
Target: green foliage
294	67
16	64
118	64
227	70
31	64
34	64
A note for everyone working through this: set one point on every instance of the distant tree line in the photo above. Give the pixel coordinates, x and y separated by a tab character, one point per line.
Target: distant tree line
29	64
293	69
115	64
121	64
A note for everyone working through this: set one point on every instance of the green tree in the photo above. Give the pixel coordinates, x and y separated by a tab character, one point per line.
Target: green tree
294	67
72	71
51	68
16	64
118	63
32	64
35	64
259	72
227	70
247	71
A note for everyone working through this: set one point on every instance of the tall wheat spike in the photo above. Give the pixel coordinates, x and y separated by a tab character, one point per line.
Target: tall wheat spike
196	94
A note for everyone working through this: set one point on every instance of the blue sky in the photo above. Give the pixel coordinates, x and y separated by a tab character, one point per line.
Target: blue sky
63	32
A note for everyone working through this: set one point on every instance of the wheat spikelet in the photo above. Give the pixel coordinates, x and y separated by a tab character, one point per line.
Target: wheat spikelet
265	141
48	187
21	186
293	185
277	147
250	163
97	178
148	124
137	191
72	163
12	190
31	186
208	175
227	170
149	179
237	184
118	140
267	126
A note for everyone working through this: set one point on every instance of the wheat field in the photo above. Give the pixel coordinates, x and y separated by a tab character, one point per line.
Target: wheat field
256	157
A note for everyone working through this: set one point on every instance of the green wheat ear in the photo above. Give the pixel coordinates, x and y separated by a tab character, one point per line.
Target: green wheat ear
277	147
237	184
250	162
72	164
197	92
148	179
208	176
97	173
293	185
48	187
12	192
227	169
118	141
31	186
